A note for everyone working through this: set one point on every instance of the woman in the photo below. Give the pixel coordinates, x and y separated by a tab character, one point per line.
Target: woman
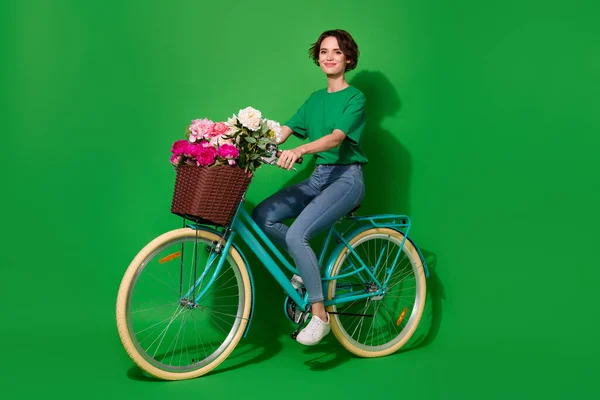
333	120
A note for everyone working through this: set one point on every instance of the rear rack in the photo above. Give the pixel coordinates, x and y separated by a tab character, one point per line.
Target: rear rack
383	220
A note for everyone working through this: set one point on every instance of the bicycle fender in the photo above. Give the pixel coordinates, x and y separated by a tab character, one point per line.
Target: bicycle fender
425	269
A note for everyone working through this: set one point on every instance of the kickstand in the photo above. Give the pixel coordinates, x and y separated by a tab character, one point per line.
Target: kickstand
303	318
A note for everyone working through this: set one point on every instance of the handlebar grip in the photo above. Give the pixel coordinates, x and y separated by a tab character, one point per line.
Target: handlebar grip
298	161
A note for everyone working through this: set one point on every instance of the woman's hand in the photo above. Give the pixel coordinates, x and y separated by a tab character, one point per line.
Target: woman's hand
287	158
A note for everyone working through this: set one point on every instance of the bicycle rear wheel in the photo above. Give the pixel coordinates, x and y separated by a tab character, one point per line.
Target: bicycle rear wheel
171	328
378	325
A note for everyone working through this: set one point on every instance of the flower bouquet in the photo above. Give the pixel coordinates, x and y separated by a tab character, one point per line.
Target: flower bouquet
215	164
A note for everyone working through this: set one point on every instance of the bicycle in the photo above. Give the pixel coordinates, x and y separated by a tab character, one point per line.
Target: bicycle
186	322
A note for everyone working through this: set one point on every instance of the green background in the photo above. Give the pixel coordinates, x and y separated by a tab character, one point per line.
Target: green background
483	127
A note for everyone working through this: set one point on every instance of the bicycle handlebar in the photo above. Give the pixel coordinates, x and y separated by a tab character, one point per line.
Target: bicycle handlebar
275	153
298	161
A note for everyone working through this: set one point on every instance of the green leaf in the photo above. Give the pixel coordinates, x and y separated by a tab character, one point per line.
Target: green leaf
250	139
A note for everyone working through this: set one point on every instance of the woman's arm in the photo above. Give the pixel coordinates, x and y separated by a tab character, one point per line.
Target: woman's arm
285	134
289	157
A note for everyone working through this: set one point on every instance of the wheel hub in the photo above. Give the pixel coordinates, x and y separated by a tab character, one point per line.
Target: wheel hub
372	288
188	303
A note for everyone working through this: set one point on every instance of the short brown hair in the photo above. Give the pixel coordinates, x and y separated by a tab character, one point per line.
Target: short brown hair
347	45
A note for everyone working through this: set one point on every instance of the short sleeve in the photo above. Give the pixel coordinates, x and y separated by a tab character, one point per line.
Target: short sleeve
353	119
298	122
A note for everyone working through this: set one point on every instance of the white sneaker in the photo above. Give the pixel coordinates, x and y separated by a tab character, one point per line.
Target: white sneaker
316	330
297	282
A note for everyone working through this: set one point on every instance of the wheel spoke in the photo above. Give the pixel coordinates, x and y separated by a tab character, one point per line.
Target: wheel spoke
174	334
378	251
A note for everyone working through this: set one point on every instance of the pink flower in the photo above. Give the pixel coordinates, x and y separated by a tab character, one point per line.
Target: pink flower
191	150
200	128
175	159
179	147
231	162
218	129
228	151
206	155
216	134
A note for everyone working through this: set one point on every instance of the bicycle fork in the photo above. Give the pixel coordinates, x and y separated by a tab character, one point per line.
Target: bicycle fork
217	252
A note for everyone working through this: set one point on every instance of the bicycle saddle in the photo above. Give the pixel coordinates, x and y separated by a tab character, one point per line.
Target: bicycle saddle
349	214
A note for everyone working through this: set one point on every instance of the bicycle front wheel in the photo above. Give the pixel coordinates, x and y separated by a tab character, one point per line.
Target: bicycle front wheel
381	324
171	321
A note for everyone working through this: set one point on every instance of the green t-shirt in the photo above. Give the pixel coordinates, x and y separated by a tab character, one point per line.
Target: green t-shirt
322	113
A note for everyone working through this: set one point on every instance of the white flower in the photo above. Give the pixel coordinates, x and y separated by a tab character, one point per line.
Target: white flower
219	140
276	128
250	118
231	123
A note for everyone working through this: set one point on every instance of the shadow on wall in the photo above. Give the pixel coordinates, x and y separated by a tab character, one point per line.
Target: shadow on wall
387	175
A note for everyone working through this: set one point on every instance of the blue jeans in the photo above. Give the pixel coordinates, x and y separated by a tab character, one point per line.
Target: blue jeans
317	203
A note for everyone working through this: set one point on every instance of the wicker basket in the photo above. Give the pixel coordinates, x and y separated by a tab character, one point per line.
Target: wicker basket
209	195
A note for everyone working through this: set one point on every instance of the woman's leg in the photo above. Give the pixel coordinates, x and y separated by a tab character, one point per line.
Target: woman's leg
287	203
345	192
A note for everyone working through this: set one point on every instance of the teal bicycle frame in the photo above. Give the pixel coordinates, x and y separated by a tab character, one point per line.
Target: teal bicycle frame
243	226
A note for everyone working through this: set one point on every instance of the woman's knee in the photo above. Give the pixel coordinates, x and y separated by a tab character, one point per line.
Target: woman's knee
295	237
259	215
263	215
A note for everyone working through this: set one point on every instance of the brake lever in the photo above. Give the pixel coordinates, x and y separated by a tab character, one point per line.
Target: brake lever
274	150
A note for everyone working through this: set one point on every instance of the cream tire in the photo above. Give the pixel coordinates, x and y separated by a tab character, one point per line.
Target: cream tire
417	266
126	287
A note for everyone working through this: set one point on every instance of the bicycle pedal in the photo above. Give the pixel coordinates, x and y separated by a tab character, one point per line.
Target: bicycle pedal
296	332
303	319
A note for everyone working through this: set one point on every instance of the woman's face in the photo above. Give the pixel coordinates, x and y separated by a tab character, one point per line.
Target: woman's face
331	58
